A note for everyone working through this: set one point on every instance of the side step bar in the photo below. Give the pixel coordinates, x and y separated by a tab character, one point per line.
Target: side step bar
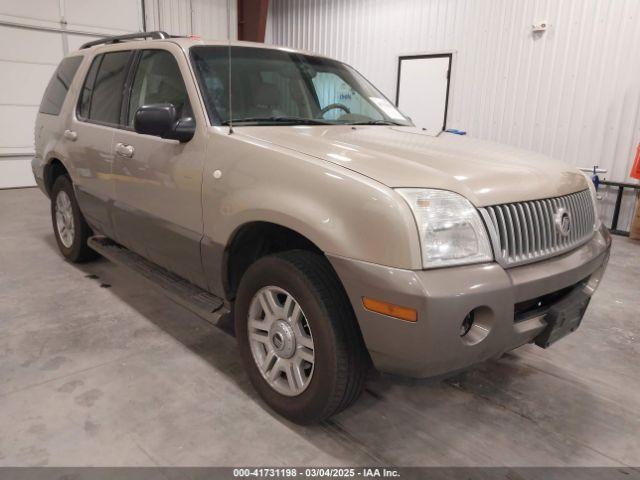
184	293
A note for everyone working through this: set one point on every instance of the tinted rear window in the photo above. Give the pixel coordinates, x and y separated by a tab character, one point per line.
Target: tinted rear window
101	97
59	85
84	103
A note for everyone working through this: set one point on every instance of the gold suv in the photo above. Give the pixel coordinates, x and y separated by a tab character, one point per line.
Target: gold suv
281	190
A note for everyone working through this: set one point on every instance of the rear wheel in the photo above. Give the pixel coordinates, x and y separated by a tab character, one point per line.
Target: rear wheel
70	228
298	336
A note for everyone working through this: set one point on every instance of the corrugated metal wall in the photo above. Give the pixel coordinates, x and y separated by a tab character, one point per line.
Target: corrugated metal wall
572	92
206	18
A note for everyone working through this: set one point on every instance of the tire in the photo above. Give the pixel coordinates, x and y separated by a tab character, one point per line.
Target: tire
340	360
71	242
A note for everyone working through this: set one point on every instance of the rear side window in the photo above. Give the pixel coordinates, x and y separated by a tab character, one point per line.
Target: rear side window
84	103
59	85
101	96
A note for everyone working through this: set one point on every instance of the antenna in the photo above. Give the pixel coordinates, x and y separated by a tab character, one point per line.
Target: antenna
229	61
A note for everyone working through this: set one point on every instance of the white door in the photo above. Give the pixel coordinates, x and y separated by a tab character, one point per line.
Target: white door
34	36
423	90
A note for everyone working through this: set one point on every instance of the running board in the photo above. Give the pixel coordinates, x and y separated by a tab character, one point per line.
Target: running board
184	293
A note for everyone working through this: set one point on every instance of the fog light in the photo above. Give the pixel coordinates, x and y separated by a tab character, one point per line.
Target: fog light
466	325
475	327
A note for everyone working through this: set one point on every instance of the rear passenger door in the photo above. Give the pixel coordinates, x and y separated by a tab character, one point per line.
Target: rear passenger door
158	182
89	136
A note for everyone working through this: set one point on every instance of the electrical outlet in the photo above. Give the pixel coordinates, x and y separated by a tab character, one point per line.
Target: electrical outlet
540	27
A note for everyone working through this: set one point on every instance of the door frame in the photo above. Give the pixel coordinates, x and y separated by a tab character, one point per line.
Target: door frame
448	55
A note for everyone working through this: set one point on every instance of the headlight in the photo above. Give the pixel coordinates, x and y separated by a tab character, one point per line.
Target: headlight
451	230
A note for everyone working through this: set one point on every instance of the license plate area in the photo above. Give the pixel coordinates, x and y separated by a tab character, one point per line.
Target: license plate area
563	317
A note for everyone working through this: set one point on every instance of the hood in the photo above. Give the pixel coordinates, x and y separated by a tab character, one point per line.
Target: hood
486	173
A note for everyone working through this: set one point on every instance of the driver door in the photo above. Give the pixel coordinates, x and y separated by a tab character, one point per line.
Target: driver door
158	182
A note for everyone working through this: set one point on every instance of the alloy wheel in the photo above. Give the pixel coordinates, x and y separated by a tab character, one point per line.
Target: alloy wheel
281	341
64	219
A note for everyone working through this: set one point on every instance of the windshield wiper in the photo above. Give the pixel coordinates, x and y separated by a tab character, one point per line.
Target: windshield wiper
376	122
292	120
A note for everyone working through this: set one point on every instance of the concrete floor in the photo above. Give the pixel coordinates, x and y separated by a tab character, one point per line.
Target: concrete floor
96	368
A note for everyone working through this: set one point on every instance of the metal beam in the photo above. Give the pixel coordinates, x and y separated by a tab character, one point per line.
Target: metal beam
41	28
18	154
252	19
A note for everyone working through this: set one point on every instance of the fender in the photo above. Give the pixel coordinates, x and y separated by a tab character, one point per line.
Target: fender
340	211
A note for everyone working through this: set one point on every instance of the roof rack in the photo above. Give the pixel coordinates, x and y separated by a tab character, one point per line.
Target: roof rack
156	35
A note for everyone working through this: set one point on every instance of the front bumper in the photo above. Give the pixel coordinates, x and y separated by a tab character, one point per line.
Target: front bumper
443	297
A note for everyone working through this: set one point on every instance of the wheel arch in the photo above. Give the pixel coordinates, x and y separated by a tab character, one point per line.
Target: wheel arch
52	170
253	240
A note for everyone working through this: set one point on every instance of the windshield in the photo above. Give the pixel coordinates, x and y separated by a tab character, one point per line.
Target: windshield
279	87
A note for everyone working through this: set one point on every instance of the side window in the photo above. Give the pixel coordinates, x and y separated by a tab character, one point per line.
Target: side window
101	97
59	85
87	89
158	80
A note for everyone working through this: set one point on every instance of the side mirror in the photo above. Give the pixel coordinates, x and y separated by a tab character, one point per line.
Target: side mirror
160	120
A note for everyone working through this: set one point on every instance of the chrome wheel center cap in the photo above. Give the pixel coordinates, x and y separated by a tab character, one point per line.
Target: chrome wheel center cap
282	339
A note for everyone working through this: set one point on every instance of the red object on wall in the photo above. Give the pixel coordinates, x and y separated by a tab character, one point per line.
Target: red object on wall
635	170
252	19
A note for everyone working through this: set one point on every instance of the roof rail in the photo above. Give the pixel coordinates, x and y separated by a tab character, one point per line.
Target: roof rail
156	35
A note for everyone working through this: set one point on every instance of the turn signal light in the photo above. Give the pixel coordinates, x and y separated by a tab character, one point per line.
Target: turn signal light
396	311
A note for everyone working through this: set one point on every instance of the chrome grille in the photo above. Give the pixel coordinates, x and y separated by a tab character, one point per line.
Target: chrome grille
528	231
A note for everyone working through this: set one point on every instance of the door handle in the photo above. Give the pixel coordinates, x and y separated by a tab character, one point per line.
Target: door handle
124	150
70	135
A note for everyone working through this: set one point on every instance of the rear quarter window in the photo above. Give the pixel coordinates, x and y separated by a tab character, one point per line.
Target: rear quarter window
59	85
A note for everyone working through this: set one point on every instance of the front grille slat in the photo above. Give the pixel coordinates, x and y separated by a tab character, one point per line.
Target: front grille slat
504	236
587	211
552	231
535	234
546	214
512	252
494	221
564	202
543	227
555	206
517	228
527	231
575	207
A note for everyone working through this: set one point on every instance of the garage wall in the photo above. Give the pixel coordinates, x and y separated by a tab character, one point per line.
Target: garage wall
206	18
572	92
36	34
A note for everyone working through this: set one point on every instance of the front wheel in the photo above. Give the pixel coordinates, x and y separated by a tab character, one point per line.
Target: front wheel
298	336
69	226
